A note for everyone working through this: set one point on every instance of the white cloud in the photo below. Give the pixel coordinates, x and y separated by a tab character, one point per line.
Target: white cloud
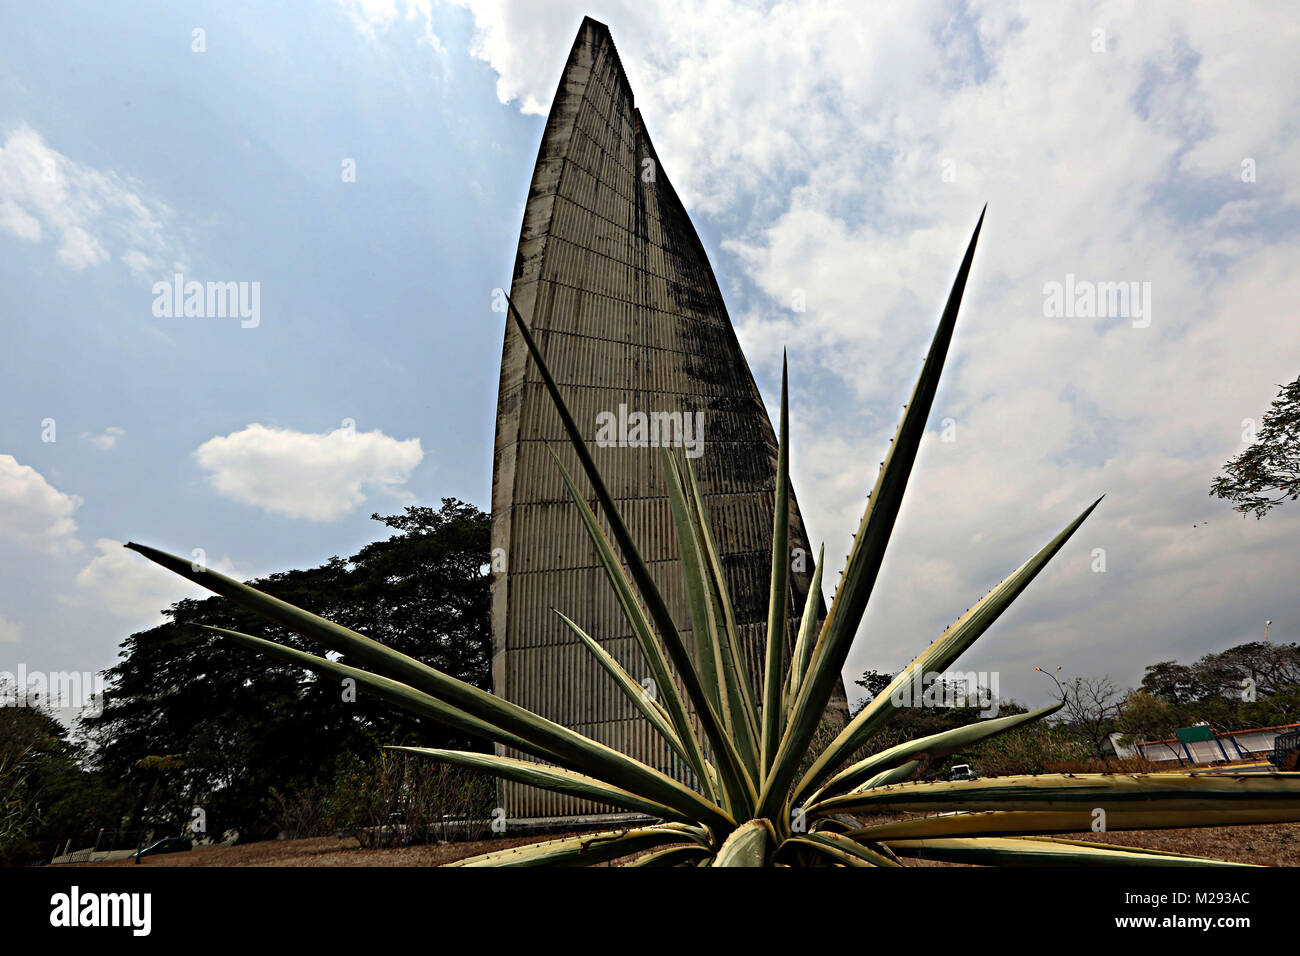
106	439
130	586
18	221
506	30
372	17
814	136
319	477
35	513
91	215
79	249
10	632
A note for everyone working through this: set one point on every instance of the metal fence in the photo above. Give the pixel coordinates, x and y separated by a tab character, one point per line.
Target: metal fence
1285	750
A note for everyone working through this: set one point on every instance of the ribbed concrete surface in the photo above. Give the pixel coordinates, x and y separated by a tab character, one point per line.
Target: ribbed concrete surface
614	281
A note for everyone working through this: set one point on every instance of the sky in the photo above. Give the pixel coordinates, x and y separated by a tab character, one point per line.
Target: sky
358	169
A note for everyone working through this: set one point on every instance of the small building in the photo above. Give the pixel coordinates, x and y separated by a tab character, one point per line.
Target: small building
1201	744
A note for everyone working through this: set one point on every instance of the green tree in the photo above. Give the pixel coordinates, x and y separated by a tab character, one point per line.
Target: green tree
1254	684
48	793
1262	668
1147	716
1172	683
873	682
1268	472
241	728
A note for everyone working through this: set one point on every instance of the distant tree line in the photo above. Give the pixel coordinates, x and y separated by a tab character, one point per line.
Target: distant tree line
1255	684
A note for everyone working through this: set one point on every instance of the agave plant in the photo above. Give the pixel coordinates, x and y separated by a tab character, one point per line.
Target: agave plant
755	799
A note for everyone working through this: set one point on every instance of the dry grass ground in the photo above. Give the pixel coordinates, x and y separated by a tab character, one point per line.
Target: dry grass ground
1270	845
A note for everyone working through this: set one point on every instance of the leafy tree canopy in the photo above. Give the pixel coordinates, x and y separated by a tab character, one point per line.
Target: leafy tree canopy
1268	472
240	725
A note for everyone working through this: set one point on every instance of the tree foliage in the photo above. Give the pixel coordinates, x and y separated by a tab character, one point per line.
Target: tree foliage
242	728
47	792
1268	472
1254	684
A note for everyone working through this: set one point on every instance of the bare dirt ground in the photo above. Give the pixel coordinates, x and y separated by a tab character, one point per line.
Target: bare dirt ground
326	851
1272	844
1275	844
1269	845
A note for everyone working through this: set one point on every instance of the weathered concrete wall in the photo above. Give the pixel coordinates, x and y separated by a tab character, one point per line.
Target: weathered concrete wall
617	287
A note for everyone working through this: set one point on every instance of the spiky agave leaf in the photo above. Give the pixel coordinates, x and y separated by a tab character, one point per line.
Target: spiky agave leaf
747	845
904	771
933	746
992	823
415	681
778	592
582	850
650	708
1022	851
650	647
555	779
704	577
941	654
1166	792
803	644
864	561
685	855
742	817
838	847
